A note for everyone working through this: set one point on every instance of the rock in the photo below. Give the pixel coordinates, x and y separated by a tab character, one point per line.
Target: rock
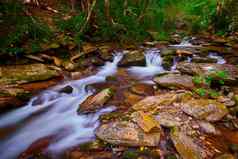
94	102
185	145
145	121
67	90
69	66
128	134
183	53
198	59
225	156
227	101
20	74
142	89
132	98
153	102
133	58
167	52
168	120
88	48
57	61
208	128
176	81
191	147
89	155
205	109
209	69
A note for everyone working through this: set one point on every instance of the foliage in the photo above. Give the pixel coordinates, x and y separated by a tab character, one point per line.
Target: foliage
133	21
22	27
204	83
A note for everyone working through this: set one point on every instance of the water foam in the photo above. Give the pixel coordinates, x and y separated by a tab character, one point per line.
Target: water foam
220	59
152	68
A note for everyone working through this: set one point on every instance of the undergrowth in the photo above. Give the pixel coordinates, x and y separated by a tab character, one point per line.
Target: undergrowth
135	22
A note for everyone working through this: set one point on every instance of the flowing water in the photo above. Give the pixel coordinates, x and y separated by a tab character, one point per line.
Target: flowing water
152	68
55	114
220	59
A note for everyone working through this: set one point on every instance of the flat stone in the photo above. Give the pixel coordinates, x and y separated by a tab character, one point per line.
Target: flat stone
128	134
20	74
145	121
205	109
175	81
96	101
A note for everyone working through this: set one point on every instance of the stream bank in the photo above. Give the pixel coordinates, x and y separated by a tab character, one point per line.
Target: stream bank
155	99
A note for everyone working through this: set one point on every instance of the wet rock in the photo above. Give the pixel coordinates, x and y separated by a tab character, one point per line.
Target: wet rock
133	58
191	147
169	118
154	102
132	98
183	53
227	101
206	109
67	90
94	102
142	89
225	156
198	59
89	155
185	145
208	128
145	121
20	74
208	69
69	66
88	48
128	134
175	81
167	52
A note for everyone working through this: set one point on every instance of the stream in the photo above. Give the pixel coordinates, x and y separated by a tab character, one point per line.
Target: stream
53	113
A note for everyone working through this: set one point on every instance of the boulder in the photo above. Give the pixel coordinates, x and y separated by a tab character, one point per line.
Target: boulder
210	69
19	74
225	156
185	145
133	58
190	147
94	102
175	81
205	109
145	121
154	102
128	134
198	59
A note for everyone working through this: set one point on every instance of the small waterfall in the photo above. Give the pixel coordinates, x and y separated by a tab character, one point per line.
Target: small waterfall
152	68
55	114
220	59
184	43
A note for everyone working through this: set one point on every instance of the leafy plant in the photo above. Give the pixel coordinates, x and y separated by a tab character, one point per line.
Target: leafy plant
205	83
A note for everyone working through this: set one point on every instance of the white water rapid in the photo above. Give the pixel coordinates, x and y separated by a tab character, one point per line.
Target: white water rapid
55	114
152	68
220	59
